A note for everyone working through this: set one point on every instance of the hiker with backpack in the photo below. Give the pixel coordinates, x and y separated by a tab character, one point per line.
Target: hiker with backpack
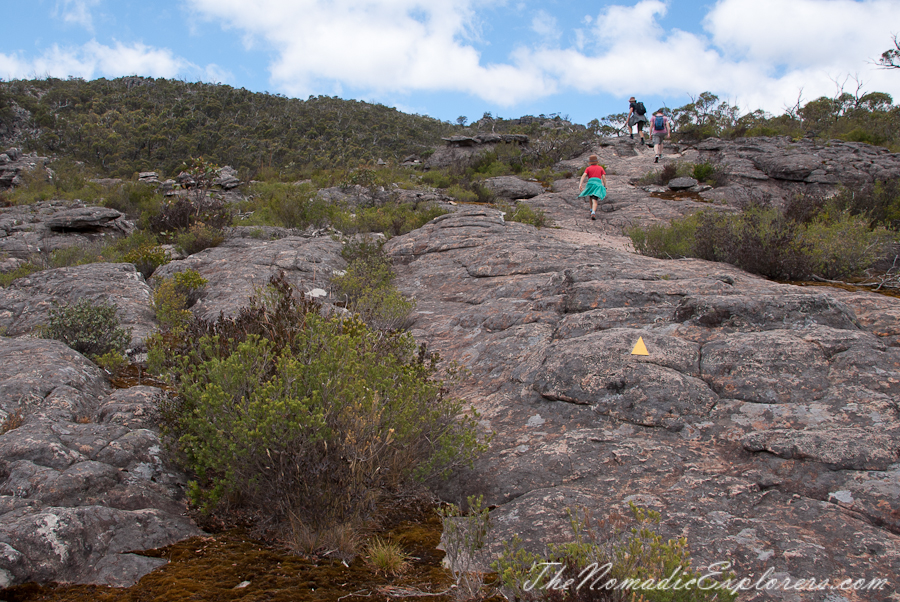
593	183
637	115
659	125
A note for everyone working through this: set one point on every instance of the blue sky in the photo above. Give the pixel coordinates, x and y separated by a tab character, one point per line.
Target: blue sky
581	59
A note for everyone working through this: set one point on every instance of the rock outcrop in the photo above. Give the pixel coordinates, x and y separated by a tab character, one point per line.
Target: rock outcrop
83	482
13	162
41	228
774	169
764	423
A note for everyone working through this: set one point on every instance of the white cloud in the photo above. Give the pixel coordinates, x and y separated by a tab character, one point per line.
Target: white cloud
378	46
216	74
96	60
803	33
759	52
77	12
544	25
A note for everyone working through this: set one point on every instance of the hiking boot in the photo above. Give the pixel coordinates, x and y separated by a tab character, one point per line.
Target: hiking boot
656	159
632	137
593	217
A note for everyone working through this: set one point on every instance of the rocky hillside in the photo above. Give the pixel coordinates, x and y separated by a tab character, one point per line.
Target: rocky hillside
763	424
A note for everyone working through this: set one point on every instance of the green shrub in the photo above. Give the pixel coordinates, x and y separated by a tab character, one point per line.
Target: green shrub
465	535
25	269
173	297
137	200
666	241
437	179
112	362
288	206
462	195
880	203
703	171
140	248
843	246
75	255
620	563
302	419
394	220
91	328
765	241
525	214
64	180
198	237
366	288
147	259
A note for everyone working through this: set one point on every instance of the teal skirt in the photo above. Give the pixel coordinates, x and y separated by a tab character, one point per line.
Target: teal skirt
594	187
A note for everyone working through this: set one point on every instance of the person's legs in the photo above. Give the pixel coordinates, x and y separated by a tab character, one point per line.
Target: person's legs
593	206
640	129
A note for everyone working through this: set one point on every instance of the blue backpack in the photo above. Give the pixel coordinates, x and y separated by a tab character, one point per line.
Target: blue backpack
659	123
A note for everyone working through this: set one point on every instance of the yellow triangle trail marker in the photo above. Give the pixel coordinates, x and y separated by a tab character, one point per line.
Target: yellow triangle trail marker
640	348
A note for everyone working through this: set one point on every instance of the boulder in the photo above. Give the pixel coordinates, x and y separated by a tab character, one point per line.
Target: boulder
511	187
681	183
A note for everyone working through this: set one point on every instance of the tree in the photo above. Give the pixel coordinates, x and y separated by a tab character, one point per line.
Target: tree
461	120
890	58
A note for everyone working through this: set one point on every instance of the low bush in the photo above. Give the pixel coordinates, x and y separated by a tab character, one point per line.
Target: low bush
764	241
180	214
198	237
174	296
137	200
63	179
880	203
24	270
288	205
465	536
386	557
523	213
394	220
91	328
367	289
75	255
843	245
610	560
303	420
113	362
667	241
140	248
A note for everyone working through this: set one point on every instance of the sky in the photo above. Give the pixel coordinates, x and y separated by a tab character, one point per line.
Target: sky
462	58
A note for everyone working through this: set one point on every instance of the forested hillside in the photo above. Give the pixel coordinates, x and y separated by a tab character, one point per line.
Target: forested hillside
127	125
132	124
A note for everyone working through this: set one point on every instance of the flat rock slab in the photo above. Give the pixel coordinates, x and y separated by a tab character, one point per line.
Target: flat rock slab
763	424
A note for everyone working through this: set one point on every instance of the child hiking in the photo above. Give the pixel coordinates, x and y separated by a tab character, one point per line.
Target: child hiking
593	183
659	126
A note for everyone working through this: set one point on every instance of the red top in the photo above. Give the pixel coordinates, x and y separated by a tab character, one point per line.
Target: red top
595	171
